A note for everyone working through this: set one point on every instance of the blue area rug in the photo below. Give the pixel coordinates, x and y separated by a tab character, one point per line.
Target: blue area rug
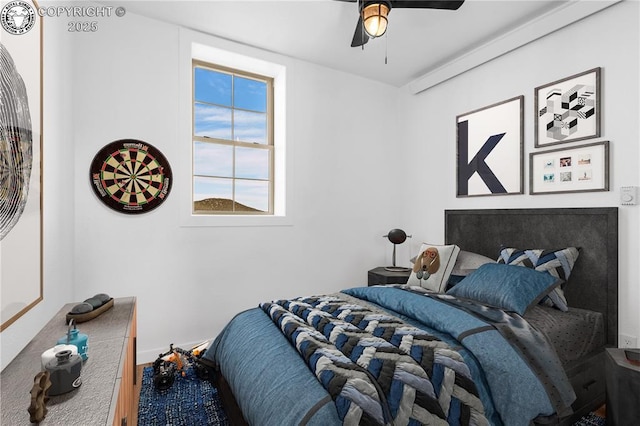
591	420
189	401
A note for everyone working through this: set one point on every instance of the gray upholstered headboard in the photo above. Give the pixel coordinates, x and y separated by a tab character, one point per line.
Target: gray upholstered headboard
593	283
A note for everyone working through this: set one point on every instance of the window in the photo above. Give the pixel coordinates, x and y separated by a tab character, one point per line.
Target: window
233	147
238	64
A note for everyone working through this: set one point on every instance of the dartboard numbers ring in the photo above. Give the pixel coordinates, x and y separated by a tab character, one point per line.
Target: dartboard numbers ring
131	176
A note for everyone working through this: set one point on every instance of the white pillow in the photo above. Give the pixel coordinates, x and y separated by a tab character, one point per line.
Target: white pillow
437	281
468	262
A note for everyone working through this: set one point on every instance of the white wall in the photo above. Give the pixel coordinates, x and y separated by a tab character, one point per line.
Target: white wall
58	197
429	132
190	281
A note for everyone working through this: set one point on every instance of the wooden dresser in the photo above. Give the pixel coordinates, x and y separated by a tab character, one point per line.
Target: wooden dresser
106	396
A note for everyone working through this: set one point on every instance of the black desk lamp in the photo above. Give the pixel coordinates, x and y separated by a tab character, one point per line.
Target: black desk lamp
396	236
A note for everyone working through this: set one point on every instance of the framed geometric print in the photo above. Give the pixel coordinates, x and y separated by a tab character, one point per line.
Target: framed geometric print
568	110
490	150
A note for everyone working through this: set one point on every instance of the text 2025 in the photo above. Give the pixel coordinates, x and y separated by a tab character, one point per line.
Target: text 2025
82	27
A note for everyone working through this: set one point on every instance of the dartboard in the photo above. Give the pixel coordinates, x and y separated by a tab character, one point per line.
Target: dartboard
131	176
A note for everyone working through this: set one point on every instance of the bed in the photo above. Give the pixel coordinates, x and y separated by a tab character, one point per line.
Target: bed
483	364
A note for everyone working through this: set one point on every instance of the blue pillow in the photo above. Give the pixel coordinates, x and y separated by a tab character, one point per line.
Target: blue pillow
558	263
508	287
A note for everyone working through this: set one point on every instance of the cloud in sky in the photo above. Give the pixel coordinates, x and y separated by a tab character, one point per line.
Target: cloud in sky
211	159
216	122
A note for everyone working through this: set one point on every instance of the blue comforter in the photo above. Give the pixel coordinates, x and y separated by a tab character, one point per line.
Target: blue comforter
273	385
378	369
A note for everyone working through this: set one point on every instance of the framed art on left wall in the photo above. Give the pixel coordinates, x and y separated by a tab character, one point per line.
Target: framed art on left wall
21	278
490	150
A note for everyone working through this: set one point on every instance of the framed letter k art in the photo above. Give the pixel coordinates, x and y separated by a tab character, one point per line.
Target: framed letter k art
490	150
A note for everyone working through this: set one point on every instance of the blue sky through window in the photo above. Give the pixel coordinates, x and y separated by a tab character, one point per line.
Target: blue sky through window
213	87
250	94
231	108
212	121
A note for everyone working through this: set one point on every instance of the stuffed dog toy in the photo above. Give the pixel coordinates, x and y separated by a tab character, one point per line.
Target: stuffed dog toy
427	263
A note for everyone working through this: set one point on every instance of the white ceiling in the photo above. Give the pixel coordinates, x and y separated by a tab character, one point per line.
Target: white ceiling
418	41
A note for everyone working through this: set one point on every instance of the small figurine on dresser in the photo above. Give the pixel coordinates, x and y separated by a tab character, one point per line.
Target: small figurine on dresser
38	409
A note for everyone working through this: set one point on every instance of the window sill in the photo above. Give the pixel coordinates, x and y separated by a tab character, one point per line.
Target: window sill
199	220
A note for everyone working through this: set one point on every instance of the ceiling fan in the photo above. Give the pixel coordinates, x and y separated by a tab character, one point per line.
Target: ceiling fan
373	15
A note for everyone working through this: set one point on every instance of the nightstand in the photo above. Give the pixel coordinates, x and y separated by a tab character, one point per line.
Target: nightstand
380	276
623	389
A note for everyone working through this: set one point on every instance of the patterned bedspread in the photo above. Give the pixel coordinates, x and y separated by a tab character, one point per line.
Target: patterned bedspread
377	368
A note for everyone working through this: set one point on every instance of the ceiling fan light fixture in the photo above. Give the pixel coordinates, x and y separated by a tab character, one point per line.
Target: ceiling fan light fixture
374	18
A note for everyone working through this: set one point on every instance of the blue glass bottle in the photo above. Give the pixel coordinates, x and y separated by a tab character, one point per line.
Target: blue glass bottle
79	340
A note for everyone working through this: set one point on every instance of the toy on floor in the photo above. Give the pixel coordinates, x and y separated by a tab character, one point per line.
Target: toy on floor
176	361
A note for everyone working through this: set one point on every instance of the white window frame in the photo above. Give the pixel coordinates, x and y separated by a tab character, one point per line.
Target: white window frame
266	146
228	54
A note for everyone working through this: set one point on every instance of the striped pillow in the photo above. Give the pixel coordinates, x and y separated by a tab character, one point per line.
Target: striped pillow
558	263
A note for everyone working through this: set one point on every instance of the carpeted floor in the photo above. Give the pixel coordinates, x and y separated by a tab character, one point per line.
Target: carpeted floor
189	401
591	420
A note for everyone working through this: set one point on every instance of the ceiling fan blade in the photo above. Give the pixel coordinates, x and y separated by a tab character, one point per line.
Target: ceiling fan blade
427	4
360	37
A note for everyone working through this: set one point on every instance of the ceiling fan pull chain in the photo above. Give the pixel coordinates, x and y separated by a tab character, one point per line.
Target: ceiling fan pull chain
386	45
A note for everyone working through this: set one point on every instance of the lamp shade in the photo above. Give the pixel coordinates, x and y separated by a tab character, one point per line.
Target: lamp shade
374	18
397	236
